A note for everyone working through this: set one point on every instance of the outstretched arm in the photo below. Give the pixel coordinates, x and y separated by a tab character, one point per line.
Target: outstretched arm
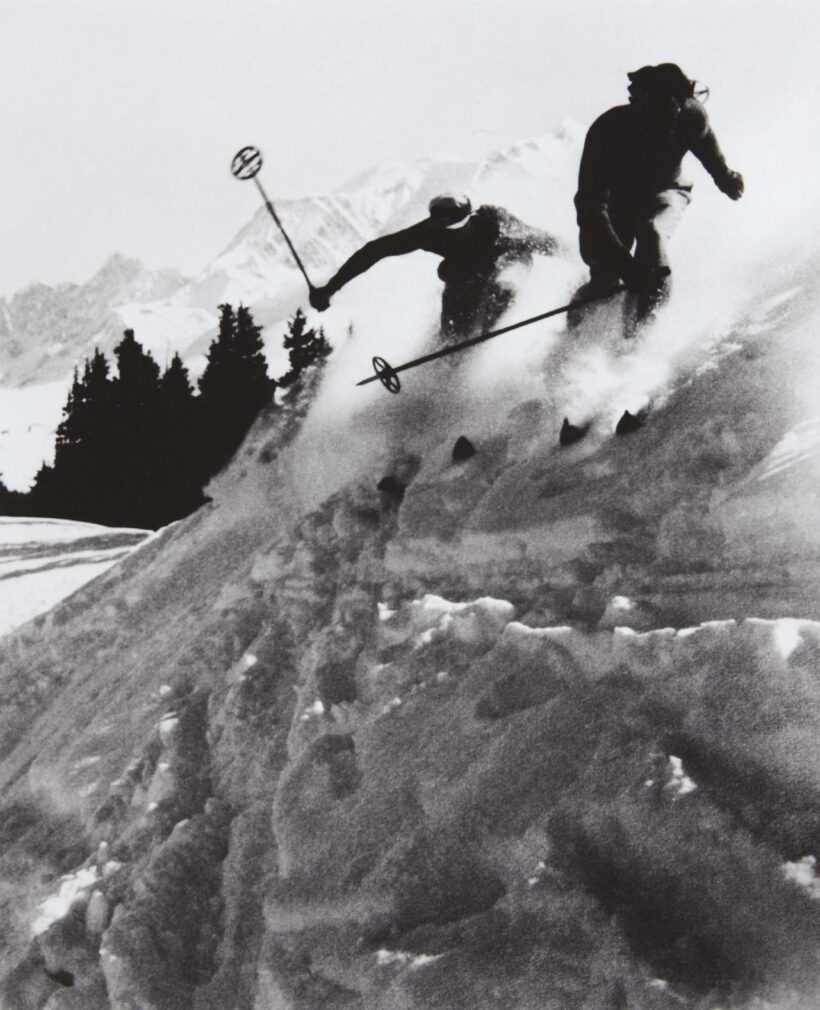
400	242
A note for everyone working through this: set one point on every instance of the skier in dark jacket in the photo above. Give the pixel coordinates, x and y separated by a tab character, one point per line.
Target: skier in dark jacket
476	246
630	190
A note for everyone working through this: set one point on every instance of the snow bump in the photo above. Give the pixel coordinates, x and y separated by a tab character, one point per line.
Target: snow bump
74	887
679	784
479	621
803	872
401	959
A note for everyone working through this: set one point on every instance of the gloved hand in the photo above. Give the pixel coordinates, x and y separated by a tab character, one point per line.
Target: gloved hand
732	185
319	298
639	277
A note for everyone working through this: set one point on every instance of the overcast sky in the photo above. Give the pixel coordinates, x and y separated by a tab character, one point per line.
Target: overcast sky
119	117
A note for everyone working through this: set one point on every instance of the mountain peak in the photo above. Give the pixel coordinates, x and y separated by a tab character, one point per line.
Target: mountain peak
117	268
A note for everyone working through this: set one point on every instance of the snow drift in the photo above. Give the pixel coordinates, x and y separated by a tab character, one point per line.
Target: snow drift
44	560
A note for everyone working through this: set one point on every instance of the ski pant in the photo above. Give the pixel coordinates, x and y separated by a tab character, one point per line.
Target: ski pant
473	305
647	222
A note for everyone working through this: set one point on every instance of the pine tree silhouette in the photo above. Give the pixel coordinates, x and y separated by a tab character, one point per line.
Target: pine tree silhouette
105	456
178	479
306	347
79	486
258	387
44	499
213	382
234	386
11	502
136	449
131	452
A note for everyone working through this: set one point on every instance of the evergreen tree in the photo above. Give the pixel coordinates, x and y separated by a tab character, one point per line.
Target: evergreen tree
12	503
214	381
218	389
305	346
258	387
136	449
234	386
105	457
132	448
137	381
89	399
43	499
178	478
78	485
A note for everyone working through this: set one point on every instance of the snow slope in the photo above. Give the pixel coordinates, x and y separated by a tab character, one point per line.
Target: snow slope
44	560
28	420
535	729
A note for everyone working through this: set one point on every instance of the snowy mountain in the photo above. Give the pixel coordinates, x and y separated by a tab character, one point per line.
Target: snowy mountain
380	729
45	332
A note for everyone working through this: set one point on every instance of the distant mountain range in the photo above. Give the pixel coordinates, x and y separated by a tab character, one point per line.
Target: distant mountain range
45	330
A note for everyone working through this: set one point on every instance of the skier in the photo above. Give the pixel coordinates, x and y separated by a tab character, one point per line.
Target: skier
476	246
630	190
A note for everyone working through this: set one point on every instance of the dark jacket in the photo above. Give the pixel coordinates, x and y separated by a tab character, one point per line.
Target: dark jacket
625	161
489	240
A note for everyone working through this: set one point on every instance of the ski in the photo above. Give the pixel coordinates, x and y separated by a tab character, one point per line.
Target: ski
628	424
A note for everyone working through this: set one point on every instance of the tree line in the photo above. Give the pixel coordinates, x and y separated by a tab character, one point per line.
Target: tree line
137	447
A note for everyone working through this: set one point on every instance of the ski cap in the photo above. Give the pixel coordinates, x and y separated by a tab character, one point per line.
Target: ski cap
665	78
449	209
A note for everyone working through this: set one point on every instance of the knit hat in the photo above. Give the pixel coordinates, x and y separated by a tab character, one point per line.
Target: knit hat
448	209
665	78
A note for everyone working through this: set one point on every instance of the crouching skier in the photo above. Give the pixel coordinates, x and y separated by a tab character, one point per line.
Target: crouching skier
475	247
630	190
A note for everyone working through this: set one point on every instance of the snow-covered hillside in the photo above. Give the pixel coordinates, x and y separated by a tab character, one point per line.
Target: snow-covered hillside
44	560
383	729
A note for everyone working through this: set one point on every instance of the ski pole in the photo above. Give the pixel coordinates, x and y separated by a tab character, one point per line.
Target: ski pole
245	165
388	375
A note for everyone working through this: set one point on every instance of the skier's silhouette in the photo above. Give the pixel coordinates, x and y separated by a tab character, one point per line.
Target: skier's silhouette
475	247
630	190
